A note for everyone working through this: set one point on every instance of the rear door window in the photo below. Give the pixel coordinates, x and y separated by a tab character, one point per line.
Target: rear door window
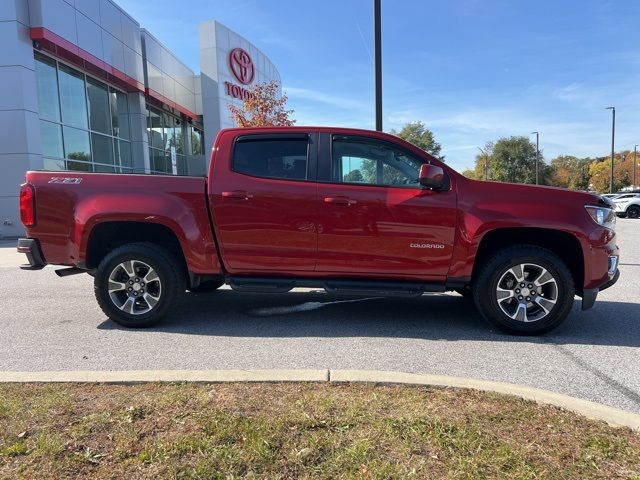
271	157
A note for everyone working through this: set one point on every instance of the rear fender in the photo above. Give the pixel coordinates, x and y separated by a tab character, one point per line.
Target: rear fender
189	224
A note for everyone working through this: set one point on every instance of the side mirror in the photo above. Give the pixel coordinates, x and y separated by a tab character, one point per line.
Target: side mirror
432	176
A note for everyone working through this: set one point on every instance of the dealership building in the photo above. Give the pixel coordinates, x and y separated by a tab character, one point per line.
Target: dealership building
84	88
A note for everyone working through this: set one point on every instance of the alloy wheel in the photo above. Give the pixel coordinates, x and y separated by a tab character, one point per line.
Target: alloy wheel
526	292
134	287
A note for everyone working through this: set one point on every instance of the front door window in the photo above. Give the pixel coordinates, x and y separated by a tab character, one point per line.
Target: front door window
369	162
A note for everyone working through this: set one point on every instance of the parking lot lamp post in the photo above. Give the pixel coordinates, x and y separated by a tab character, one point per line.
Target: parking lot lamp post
613	143
537	152
378	61
635	164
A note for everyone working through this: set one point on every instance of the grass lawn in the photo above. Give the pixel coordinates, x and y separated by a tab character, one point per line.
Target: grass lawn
298	430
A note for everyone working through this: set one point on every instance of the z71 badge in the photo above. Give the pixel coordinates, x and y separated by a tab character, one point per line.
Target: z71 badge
74	180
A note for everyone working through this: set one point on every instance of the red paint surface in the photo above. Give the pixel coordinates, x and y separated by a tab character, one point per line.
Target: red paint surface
313	229
241	65
67	213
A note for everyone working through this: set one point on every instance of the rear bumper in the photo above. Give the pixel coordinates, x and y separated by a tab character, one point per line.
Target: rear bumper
31	248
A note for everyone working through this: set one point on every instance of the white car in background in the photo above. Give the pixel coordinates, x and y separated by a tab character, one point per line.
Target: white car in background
627	205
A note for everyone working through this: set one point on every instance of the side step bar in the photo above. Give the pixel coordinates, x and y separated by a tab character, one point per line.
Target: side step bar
336	286
261	285
65	272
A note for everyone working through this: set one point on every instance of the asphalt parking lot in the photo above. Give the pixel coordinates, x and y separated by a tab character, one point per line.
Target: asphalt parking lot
50	323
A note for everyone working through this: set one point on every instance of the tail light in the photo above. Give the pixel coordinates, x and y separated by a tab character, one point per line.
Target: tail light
27	205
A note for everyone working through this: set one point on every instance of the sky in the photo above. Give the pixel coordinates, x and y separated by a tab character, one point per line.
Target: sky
472	70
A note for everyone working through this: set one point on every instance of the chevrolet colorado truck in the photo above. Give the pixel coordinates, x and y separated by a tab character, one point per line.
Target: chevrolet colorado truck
352	211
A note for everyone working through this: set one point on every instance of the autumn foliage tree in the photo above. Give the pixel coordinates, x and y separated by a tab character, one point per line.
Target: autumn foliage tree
571	172
263	107
600	172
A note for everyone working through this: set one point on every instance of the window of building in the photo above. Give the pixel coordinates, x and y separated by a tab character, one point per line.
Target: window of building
272	158
73	97
119	114
99	113
370	162
166	139
84	123
47	85
197	141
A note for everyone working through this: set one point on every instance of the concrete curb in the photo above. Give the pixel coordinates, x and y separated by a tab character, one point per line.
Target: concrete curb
586	408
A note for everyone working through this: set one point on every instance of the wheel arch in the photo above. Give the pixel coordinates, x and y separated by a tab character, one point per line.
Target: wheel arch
107	236
563	244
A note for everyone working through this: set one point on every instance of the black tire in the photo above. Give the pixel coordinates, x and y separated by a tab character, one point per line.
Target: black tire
168	286
207	286
633	211
542	319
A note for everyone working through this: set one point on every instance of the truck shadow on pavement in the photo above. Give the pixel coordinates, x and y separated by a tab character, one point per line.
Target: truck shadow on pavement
431	317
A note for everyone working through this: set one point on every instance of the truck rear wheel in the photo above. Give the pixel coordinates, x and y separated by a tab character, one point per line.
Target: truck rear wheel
136	284
524	290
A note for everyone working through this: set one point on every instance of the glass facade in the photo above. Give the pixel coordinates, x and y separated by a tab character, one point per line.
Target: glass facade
167	135
84	123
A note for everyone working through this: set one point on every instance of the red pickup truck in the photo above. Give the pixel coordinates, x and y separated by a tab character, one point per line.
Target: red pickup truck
354	212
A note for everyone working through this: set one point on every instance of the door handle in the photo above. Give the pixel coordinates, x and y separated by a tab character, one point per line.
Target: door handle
344	201
238	194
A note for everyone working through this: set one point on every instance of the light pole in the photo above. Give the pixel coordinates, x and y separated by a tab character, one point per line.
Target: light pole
537	152
635	164
486	164
378	61
613	143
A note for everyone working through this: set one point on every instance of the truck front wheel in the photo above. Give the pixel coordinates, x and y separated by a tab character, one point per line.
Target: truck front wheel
136	284
524	290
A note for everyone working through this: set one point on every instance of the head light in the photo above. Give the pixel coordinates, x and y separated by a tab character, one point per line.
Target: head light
602	216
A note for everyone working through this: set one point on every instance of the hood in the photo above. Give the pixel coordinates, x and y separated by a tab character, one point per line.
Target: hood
540	193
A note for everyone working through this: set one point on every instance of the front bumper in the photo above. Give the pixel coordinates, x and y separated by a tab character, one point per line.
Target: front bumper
590	294
31	248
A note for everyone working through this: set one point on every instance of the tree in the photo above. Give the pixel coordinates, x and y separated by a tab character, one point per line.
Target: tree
470	173
510	159
600	172
625	169
568	171
482	168
421	137
262	108
354	176
513	160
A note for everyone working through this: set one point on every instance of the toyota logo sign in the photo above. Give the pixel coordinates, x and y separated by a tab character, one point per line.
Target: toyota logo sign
241	65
